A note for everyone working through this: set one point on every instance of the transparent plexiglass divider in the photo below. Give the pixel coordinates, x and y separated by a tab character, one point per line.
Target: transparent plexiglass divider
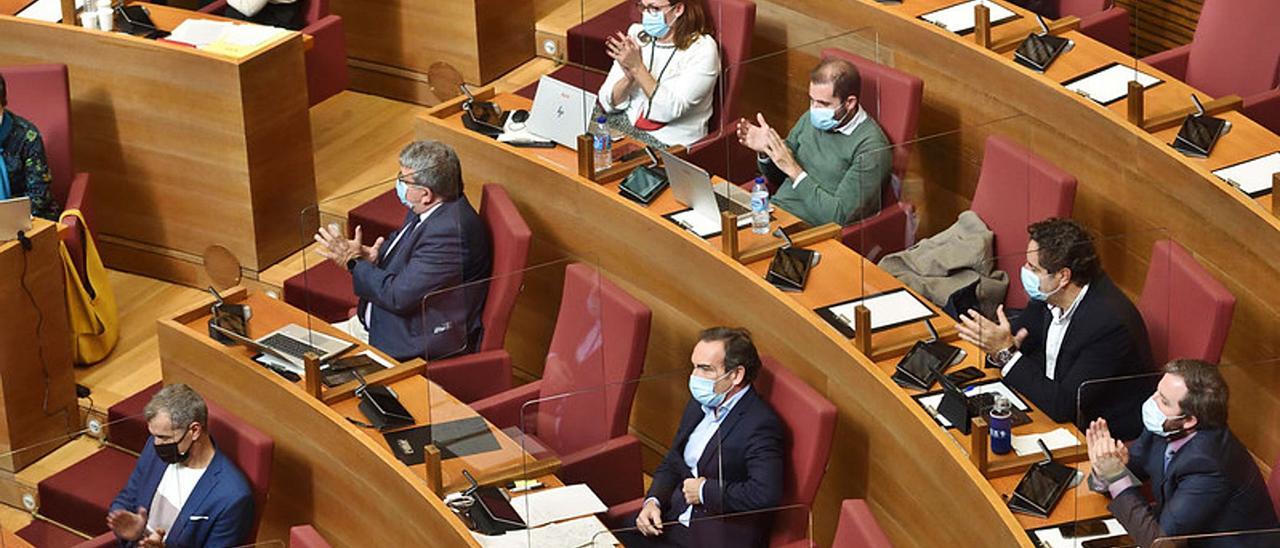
779	524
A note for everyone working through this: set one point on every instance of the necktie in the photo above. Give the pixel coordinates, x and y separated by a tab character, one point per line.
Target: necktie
1168	456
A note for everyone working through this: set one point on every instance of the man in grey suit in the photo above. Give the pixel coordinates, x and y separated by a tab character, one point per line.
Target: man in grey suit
422	287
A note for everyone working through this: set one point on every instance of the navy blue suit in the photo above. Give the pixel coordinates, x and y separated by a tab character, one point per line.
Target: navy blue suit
1212	486
219	512
428	291
743	464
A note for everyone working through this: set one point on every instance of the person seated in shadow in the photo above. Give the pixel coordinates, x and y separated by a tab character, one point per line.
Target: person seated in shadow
25	169
285	14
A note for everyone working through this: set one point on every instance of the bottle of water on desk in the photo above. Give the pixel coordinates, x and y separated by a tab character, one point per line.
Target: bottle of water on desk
602	144
760	207
1001	426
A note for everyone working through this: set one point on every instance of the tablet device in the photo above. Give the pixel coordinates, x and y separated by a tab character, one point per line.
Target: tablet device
789	269
1039	51
1041	488
1198	135
643	185
383	408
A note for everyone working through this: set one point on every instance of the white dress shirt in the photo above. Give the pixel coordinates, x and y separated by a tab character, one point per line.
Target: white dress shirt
683	99
697	444
1053	339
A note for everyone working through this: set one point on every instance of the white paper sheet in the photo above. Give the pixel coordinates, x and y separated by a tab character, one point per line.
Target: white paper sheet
931	401
199	32
550	505
1051	538
1111	83
959	18
887	309
702	226
581	532
49	11
1060	438
1254	175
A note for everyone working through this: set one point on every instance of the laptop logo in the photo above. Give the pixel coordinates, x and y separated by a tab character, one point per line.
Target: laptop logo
559	111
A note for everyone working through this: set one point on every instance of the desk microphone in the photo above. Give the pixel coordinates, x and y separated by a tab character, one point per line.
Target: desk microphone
933	332
24	240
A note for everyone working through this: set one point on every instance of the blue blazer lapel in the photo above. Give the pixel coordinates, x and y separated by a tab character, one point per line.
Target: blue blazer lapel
726	428
208	484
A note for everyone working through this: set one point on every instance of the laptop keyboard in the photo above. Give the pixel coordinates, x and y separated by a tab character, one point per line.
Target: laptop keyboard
726	204
290	346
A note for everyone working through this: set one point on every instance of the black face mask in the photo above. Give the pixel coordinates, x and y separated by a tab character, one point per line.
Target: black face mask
168	452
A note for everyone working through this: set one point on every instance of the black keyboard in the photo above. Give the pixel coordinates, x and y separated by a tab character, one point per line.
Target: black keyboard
290	346
726	204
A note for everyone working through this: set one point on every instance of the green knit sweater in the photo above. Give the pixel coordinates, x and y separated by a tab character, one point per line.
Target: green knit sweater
844	173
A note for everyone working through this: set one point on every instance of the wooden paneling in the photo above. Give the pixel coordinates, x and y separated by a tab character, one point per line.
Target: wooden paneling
1157	25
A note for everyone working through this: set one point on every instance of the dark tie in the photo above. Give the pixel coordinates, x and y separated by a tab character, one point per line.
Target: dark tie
1168	456
409	224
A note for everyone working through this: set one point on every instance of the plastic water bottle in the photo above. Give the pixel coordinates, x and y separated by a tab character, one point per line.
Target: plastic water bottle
1001	424
602	144
760	207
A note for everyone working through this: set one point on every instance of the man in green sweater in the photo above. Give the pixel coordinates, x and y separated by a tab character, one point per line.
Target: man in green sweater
832	165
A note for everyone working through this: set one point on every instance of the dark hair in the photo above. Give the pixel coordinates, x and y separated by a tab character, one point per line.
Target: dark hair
4	92
1207	392
691	24
183	405
842	75
739	351
434	165
1063	244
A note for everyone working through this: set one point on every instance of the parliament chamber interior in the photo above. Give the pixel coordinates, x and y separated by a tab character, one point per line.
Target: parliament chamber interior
567	273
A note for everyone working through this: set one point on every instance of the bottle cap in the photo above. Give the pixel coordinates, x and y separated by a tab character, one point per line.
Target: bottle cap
1001	406
602	119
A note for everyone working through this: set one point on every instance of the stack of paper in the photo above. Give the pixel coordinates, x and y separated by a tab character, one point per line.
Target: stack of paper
199	32
578	533
1051	537
240	40
1058	439
959	17
1253	176
559	504
49	11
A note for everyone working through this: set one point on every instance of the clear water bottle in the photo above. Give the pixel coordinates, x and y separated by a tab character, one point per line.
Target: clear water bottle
602	144
760	207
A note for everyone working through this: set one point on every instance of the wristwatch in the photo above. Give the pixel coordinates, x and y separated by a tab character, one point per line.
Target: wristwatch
351	263
999	359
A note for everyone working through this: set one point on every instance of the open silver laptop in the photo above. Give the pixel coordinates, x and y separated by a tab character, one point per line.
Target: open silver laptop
288	344
15	216
560	112
691	186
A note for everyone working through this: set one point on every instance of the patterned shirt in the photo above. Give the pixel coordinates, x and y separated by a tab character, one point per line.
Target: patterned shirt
22	152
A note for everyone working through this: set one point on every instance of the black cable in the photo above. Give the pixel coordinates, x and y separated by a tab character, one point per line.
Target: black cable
26	246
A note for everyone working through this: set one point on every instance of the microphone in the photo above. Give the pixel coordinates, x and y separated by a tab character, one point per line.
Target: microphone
24	240
779	233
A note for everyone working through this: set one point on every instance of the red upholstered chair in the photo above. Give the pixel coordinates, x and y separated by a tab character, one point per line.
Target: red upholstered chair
582	405
1174	276
1101	20
1264	108
42	95
1238	31
306	536
327	59
1017	188
858	528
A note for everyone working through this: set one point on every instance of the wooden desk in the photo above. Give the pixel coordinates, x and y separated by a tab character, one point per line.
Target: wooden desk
1077	504
38	408
168	18
186	149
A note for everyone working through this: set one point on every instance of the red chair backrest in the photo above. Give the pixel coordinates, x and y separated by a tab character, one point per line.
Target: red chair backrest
1234	49
810	420
1015	189
858	528
596	355
511	237
1080	8
42	95
314	10
250	449
892	98
735	23
306	536
1174	276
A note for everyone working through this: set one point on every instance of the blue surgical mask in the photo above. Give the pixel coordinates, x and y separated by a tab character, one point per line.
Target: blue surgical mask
1153	419
823	118
655	24
1031	283
402	192
704	390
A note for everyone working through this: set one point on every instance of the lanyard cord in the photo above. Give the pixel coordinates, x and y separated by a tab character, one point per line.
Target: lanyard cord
653	48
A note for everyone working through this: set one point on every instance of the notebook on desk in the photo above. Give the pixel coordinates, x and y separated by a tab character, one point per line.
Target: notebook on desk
1110	83
958	18
1253	176
889	309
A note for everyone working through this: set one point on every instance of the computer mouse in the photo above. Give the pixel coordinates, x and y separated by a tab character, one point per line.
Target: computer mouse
520	116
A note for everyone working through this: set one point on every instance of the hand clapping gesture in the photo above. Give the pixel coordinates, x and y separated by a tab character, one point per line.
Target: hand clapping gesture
335	247
1107	456
626	52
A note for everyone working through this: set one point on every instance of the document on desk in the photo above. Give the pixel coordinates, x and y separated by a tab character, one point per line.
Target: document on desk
242	39
958	18
199	32
561	503
931	400
1110	83
703	227
581	532
49	11
1252	176
888	309
1051	537
1059	438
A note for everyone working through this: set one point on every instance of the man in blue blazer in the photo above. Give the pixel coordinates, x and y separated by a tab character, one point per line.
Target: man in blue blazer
1202	478
183	491
422	293
727	457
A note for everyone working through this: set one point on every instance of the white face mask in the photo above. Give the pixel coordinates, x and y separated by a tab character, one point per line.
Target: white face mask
1153	419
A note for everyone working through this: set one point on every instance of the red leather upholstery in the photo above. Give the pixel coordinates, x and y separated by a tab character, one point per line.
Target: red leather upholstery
1264	108
126	425
884	233
585	42
1017	188
1238	31
250	449
43	534
586	78
511	237
589	382
858	528
42	95
327	59
306	536
377	217
1174	276
323	289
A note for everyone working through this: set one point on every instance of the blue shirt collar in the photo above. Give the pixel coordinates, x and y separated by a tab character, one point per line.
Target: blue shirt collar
718	415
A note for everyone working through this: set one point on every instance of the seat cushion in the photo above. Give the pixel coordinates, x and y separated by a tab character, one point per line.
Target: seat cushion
324	290
47	535
80	495
128	428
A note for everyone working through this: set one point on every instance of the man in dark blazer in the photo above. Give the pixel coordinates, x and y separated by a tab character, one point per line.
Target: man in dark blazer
727	456
183	491
1077	337
1202	478
422	293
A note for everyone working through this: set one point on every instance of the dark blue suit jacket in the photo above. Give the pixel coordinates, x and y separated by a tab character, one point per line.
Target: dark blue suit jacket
218	514
1212	486
429	290
743	464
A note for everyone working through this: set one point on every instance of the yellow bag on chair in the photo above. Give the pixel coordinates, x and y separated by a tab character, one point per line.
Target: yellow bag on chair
95	327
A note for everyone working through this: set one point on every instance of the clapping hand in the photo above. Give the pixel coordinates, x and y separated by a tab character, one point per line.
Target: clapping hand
153	540
990	336
753	136
626	52
780	153
335	247
1107	456
128	525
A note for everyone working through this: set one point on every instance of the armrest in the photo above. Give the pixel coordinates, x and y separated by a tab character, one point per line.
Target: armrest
859	524
888	231
215	8
1172	62
473	376
1264	108
1109	26
327	73
503	410
75	235
616	517
612	469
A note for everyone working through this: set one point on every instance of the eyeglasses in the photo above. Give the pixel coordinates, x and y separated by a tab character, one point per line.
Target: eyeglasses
652	10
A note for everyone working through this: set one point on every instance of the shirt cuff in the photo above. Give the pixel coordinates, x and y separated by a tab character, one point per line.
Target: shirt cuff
700	486
1119	486
763	158
1004	371
797	180
655	499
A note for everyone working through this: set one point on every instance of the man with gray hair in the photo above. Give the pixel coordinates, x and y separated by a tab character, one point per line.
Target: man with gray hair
422	287
183	491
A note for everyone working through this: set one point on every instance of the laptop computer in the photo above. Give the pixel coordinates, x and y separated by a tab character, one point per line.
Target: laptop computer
560	112
288	344
691	186
15	216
